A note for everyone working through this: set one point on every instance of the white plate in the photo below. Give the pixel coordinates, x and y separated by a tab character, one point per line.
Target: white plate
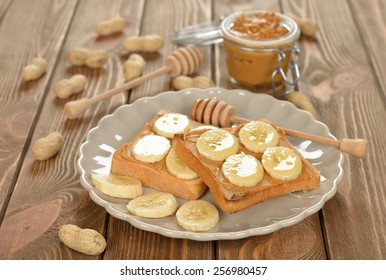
120	127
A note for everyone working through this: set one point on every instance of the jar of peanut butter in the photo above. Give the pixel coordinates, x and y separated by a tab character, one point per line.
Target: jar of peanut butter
260	48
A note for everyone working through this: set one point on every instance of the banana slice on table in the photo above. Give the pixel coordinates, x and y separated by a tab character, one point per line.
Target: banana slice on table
243	170
170	124
117	185
177	167
217	144
282	163
197	215
256	136
151	148
153	205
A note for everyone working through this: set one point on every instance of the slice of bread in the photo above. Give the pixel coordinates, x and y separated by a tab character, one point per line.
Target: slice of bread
232	198
155	175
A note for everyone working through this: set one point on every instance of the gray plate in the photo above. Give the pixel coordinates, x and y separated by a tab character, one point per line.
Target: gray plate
120	127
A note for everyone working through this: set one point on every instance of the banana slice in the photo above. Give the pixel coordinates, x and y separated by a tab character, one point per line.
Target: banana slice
197	215
117	185
256	136
170	124
151	148
243	170
177	167
153	205
217	144
282	163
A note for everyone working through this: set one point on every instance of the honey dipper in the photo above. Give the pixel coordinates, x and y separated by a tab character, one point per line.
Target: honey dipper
183	61
219	113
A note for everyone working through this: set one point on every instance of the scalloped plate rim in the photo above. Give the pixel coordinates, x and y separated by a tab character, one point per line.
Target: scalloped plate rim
203	236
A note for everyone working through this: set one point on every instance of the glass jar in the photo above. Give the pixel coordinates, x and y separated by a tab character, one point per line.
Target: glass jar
260	61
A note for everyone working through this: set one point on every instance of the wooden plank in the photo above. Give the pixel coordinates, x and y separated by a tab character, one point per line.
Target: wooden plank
169	16
142	245
287	243
48	194
337	72
301	241
27	29
370	19
4	5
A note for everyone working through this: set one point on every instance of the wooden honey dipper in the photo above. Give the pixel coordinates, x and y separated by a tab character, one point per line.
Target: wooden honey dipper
220	114
183	61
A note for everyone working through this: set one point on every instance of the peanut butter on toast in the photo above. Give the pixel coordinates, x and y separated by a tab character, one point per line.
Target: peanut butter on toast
233	198
155	175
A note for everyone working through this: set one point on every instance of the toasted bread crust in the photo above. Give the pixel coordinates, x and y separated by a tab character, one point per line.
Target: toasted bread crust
232	198
154	175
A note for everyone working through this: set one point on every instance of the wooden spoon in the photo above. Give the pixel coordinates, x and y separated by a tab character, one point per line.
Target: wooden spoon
183	61
219	113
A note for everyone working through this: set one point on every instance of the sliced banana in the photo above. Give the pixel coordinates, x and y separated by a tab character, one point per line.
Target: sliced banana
153	205
243	170
282	163
177	167
256	136
197	215
117	185
151	148
170	124
217	144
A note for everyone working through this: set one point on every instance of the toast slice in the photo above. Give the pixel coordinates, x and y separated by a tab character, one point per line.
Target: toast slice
232	198
155	175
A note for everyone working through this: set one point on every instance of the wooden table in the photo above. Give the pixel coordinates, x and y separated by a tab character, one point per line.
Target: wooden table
343	70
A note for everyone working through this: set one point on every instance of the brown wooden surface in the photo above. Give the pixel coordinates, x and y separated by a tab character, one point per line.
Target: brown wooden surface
338	73
372	30
343	70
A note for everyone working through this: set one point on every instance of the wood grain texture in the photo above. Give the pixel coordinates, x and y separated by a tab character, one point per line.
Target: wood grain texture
136	244
343	70
4	5
371	21
337	72
301	241
54	184
291	245
169	15
23	37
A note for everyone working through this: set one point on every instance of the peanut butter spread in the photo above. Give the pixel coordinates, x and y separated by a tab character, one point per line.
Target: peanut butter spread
258	26
231	191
